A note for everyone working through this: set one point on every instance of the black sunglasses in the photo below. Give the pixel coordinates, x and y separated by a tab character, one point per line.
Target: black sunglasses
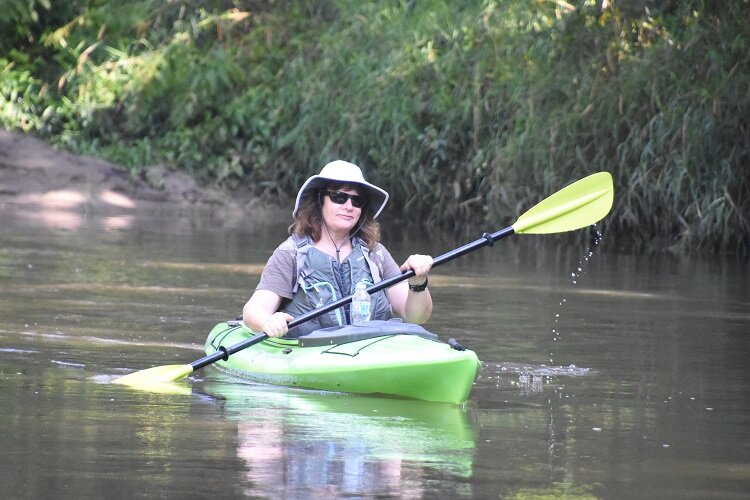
340	198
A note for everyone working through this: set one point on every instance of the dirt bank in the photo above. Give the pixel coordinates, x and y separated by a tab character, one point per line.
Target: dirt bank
36	175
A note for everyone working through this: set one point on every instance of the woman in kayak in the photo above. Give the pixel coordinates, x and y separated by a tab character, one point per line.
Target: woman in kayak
333	245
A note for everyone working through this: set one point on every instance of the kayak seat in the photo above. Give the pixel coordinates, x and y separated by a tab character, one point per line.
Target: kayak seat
367	330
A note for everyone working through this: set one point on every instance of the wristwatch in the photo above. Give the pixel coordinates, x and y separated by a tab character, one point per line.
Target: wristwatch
419	288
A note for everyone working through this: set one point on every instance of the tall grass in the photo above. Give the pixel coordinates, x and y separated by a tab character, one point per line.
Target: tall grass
467	112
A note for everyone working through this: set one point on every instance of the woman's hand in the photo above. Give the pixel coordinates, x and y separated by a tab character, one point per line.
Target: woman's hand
421	265
413	306
261	314
277	324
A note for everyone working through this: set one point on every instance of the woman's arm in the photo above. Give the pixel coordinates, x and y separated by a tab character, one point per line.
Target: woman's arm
261	314
411	306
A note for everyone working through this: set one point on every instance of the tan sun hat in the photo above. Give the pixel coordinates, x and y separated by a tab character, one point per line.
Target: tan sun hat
343	172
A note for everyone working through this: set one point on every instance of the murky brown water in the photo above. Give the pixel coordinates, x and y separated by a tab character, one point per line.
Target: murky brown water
626	378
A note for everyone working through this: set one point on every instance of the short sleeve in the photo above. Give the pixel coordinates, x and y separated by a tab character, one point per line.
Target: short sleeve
383	259
279	274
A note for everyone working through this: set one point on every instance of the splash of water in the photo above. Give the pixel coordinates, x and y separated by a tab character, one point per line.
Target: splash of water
575	277
532	379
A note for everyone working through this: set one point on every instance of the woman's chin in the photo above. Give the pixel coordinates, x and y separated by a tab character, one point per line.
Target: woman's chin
342	225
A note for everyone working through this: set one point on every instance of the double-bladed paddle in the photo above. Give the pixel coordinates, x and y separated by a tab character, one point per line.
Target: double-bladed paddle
578	205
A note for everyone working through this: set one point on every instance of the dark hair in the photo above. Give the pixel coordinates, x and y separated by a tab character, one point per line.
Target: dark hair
309	218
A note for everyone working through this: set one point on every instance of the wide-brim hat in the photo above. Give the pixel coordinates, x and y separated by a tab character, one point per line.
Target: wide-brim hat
342	172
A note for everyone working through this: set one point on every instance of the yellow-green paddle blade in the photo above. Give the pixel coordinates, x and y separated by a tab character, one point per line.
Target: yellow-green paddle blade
155	376
581	204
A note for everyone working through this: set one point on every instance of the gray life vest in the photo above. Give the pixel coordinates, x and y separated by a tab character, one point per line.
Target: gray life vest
319	282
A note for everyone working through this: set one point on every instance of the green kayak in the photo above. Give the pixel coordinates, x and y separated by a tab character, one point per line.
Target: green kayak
377	357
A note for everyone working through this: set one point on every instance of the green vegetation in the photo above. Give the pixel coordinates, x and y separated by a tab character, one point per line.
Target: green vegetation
464	111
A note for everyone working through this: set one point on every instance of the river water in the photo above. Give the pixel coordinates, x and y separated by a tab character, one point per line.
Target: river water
605	374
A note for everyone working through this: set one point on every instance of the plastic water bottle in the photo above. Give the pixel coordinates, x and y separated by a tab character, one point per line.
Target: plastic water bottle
360	304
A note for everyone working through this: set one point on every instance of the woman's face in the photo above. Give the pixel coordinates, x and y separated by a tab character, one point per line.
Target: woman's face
341	218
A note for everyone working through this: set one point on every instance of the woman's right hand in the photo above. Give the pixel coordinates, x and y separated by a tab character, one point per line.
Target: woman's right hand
261	313
277	324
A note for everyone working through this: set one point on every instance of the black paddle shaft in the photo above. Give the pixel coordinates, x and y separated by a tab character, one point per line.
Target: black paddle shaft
487	239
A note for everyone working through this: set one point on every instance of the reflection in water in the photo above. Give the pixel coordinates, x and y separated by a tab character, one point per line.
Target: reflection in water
117	222
74	220
67	209
529	383
330	445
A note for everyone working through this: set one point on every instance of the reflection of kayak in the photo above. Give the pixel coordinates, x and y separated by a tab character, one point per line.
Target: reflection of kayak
378	357
456	423
443	435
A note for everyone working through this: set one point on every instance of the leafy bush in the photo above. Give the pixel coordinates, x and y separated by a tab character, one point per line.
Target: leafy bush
464	111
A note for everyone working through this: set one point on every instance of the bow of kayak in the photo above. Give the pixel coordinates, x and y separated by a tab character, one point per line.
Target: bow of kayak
388	358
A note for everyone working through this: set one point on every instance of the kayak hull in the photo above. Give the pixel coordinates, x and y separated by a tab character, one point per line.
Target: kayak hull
400	365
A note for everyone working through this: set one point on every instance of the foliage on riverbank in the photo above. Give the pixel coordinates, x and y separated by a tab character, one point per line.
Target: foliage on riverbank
464	111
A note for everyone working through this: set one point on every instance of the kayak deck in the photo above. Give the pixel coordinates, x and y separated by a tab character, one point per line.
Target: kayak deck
395	360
